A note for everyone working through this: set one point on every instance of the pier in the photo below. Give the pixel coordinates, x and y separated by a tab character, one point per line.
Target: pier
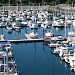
23	40
26	40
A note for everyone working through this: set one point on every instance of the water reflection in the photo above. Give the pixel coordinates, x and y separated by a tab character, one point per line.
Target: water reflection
46	52
59	29
57	61
37	58
34	57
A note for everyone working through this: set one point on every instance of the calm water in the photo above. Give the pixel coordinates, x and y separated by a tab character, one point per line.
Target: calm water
36	58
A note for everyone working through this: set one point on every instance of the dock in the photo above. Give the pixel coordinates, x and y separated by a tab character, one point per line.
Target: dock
23	40
27	39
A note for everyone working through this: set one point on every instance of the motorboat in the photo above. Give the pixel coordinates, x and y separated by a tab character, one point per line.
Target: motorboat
48	35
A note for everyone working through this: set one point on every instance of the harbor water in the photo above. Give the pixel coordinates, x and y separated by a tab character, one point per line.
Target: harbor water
35	58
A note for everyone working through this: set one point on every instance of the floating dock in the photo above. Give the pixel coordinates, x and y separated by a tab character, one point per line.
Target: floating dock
23	40
28	39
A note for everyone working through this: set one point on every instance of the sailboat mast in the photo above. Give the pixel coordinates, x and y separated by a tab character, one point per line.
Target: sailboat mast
72	17
7	63
9	12
9	6
4	65
65	23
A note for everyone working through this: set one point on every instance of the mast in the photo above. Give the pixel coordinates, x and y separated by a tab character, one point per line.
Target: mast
39	6
4	65
3	14
9	13
7	62
65	23
9	6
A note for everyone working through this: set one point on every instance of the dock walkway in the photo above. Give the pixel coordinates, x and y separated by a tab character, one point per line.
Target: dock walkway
23	40
28	39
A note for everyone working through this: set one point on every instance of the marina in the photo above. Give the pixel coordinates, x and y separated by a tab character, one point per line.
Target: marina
42	42
7	64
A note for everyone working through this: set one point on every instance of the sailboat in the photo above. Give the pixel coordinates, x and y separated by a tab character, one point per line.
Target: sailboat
33	35
32	24
2	37
7	64
9	27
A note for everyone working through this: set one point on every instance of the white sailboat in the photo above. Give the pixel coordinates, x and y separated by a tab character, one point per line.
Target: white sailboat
33	35
2	37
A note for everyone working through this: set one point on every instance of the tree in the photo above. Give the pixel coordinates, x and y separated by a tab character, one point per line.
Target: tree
25	1
3	1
